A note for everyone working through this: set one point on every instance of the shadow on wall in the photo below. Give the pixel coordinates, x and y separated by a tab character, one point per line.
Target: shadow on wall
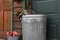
20	37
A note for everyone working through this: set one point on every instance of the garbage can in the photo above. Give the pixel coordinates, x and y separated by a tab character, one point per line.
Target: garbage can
13	38
34	27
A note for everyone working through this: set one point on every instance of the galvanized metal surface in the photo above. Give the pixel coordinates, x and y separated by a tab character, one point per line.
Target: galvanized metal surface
13	38
34	27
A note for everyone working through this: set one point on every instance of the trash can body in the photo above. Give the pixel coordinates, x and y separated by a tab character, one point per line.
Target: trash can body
34	27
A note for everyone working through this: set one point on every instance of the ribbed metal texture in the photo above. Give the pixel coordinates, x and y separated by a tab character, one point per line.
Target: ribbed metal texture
48	7
34	27
13	38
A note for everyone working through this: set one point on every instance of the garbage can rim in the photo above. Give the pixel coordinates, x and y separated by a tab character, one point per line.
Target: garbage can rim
35	15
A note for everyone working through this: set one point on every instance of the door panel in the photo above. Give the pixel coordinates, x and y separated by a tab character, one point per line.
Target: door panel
1	23
1	20
7	20
1	4
7	4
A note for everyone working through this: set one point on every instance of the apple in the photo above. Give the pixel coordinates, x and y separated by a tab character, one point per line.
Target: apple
11	33
15	33
7	33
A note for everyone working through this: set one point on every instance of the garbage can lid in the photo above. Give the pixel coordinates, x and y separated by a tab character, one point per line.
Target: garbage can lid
33	16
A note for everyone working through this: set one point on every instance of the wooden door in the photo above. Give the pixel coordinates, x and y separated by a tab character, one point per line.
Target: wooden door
5	17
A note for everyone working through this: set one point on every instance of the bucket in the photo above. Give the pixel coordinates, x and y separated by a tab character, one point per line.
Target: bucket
13	38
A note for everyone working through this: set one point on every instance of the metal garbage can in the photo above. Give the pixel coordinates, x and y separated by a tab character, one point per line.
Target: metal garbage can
34	27
13	38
